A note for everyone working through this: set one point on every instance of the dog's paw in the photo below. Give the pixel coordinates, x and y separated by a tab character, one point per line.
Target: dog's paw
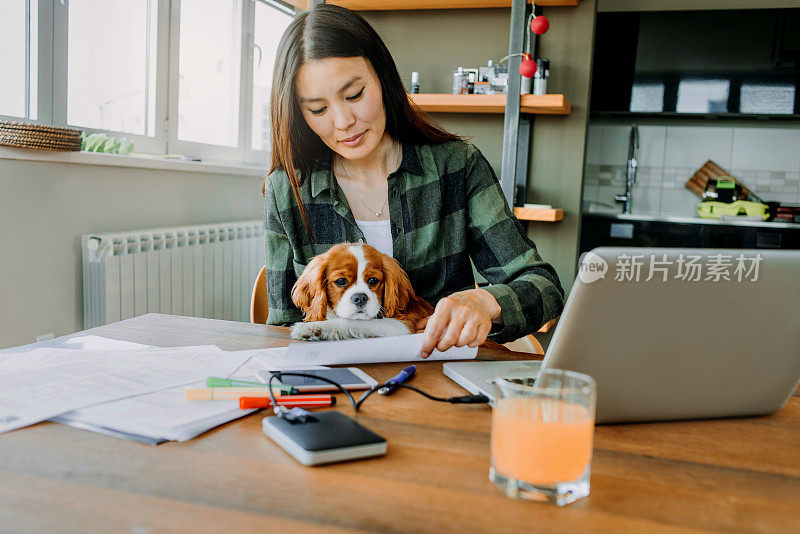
320	331
307	331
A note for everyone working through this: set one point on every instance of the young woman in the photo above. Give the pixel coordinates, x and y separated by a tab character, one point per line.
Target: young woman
353	158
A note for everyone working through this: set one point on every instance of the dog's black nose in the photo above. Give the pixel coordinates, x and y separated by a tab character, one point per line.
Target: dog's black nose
359	299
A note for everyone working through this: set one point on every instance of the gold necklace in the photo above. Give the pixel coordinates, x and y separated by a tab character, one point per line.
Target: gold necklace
383	206
377	213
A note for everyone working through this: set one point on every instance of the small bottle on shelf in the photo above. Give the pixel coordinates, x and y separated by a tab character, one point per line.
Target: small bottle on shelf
541	76
415	82
459	81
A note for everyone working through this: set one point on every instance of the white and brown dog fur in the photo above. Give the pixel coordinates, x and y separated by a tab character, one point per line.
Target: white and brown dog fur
354	291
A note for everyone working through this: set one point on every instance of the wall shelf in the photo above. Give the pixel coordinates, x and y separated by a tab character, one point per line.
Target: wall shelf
445	103
538	214
396	5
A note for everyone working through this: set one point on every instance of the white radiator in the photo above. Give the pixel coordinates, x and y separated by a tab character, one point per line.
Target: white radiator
202	271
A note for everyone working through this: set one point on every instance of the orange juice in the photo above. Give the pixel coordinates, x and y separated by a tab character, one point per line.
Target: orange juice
541	440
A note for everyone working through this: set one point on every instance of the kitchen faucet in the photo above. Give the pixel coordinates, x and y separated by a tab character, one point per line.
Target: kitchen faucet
630	177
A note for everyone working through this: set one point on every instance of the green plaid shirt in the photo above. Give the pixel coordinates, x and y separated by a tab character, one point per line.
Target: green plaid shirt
446	208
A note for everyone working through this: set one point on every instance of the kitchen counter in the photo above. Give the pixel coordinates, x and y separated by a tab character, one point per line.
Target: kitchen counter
616	229
693	220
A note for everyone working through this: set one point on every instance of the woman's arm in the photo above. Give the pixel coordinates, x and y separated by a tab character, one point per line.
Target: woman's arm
526	287
280	270
525	291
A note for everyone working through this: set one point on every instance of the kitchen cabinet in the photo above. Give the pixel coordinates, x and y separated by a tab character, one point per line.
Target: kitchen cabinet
641	231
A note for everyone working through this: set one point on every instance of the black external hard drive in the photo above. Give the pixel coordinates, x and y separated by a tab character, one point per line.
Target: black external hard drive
326	437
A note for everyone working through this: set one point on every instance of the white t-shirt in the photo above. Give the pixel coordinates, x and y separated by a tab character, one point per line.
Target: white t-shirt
378	235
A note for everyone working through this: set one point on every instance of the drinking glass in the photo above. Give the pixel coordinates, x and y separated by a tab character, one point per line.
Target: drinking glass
541	444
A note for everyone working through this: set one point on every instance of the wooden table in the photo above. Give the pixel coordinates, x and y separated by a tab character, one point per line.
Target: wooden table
725	475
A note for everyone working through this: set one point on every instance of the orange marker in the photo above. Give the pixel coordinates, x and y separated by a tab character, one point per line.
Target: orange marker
290	401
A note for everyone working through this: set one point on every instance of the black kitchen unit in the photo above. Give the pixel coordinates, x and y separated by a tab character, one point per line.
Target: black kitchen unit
742	63
598	229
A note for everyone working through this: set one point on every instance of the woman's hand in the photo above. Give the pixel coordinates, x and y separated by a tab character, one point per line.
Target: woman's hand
466	316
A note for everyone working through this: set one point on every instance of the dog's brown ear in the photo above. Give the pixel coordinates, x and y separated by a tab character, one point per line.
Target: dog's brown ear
399	299
396	287
309	293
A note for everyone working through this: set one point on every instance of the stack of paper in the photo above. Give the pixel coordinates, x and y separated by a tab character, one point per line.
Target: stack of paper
165	415
48	382
136	392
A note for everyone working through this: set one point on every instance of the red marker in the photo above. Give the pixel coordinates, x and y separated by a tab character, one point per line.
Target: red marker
290	401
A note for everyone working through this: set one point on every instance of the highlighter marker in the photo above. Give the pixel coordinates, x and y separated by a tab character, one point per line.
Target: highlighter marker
203	394
290	401
214	382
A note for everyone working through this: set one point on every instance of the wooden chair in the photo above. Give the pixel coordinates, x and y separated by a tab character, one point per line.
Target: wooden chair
529	343
525	344
259	310
258	301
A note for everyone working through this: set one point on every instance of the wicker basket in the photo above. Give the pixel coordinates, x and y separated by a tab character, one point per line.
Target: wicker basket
39	136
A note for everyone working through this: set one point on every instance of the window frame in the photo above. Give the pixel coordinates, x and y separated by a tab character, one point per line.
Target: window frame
52	65
43	65
142	143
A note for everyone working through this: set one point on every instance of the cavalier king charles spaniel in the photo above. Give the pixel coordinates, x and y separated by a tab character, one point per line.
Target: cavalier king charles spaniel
354	291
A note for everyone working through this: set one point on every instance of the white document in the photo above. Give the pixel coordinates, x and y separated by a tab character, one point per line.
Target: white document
161	415
165	415
57	381
372	350
89	342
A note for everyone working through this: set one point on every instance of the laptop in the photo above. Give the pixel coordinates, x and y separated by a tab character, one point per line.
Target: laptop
674	333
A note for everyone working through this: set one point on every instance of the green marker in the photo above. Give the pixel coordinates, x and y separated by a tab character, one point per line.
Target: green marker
214	382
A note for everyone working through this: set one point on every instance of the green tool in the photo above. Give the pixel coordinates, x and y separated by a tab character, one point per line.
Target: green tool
214	382
711	209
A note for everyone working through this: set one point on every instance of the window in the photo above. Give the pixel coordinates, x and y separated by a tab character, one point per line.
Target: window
703	96
210	58
647	97
190	77
269	26
111	65
18	60
763	98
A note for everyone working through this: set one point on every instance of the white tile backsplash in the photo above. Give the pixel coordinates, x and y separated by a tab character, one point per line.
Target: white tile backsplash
679	201
692	146
766	159
594	143
615	145
646	201
606	194
652	140
766	149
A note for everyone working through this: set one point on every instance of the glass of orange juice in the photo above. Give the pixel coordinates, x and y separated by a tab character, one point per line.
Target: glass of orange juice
542	435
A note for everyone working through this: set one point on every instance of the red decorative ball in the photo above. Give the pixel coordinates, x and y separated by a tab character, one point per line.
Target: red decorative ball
540	24
528	66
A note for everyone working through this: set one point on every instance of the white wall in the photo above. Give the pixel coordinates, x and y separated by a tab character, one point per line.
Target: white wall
45	208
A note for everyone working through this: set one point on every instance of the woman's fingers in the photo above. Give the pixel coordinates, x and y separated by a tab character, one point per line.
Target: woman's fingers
483	334
434	328
458	319
468	332
461	319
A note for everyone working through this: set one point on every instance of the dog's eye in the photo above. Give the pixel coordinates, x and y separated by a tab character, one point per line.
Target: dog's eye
373	281
341	282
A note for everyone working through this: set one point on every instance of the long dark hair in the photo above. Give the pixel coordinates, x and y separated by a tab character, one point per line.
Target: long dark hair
332	31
